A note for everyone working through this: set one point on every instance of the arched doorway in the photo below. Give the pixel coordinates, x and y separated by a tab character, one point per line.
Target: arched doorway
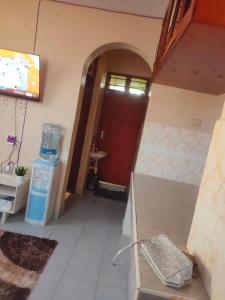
100	101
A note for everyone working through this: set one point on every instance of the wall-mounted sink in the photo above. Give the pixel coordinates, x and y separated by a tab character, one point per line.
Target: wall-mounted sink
97	155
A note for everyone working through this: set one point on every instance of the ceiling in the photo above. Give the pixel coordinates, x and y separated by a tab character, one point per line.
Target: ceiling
148	8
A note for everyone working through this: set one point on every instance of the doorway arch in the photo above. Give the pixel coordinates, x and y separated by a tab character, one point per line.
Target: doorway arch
95	53
113	46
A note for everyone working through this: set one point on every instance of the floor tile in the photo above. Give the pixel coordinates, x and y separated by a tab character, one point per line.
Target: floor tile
113	245
69	229
39	231
83	268
65	238
116	276
63	248
88	235
14	227
89	249
110	293
46	286
57	263
95	233
75	289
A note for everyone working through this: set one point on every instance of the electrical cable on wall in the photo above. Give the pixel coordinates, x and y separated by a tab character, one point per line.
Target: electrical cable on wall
21	139
26	101
9	164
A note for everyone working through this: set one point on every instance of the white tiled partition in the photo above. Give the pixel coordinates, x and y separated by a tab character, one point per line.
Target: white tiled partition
172	152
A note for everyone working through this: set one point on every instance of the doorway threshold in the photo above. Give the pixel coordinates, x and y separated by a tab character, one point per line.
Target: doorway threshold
112	186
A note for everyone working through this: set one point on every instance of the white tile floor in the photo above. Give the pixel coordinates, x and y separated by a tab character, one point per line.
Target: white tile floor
89	235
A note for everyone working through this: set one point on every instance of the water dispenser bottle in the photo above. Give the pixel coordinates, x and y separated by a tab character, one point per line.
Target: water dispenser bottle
49	149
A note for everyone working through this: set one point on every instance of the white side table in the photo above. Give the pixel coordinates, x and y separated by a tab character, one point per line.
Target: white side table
10	188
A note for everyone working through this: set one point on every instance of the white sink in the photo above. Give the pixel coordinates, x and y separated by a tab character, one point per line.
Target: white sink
97	155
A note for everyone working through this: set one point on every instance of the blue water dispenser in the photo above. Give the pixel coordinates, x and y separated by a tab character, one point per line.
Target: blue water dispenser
45	178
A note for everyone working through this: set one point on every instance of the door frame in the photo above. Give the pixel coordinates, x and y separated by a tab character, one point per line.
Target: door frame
90	58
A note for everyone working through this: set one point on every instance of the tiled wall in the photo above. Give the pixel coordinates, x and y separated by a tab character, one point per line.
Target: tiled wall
173	152
207	237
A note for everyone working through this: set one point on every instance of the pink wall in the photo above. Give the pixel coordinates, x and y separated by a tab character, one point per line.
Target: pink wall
68	37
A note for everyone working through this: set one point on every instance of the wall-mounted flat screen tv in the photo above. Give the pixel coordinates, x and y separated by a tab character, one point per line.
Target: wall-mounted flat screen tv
19	74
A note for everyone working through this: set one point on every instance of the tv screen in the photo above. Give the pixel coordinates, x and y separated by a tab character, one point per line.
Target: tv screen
19	74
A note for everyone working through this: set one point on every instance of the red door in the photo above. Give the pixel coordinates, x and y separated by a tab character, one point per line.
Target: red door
119	131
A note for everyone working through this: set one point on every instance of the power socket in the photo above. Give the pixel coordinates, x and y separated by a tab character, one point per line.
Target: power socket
196	122
11	139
